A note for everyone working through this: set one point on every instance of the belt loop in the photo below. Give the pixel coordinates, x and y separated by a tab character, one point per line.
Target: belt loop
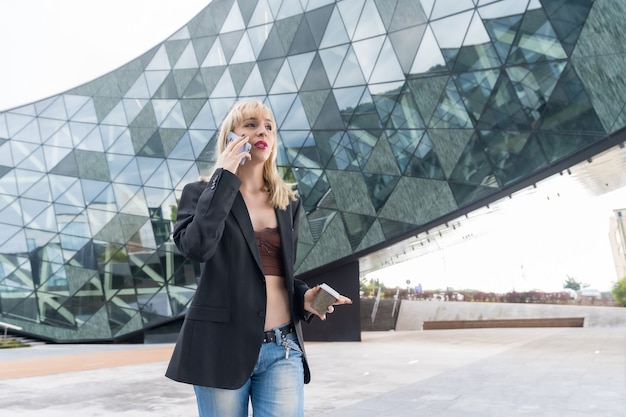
278	336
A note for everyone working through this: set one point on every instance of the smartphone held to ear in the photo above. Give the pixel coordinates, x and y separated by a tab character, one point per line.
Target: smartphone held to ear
245	148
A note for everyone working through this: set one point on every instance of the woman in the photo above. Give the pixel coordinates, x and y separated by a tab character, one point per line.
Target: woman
242	336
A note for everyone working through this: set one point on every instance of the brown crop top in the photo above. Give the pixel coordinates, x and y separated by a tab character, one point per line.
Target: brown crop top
268	242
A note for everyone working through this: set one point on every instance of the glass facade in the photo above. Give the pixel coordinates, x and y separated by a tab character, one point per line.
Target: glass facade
392	115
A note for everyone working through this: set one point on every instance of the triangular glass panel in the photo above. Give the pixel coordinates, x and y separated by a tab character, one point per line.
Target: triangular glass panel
183	33
504	110
117	116
296	118
405	45
535	40
175	119
451	111
473	167
154	79
204	119
253	85
303	40
234	20
319	219
187	58
370	23
425	163
66	190
167	89
110	134
117	163
568	20
335	33
21	150
224	87
35	161
183	149
262	13
86	114
160	178
393	228
476	87
350	12
328	117
132	107
345	99
367	52
29	133
46	221
569	108
450	41
284	82
403	143
160	61
92	189
126	170
514	155
502	27
57	110
380	187
39	191
534	85
356	227
350	73
16	122
139	89
178	170
11	214
216	56
448	8
257	37
244	51
429	58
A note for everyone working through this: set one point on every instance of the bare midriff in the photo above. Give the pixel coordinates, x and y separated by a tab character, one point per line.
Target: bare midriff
277	312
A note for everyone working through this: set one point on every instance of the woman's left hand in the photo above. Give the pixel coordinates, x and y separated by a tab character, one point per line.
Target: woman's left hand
309	296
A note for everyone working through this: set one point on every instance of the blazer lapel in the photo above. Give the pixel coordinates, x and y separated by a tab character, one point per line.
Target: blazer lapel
285	228
240	212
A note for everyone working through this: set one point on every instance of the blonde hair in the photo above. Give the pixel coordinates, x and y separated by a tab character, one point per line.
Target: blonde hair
279	191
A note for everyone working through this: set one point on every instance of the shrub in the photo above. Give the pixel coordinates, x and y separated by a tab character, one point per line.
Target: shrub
619	292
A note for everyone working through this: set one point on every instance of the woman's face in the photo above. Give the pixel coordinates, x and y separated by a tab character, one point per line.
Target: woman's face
261	134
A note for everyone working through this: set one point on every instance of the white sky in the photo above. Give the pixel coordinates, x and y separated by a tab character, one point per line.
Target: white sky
50	46
533	243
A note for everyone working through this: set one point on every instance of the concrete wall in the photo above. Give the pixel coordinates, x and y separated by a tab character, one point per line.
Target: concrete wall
413	314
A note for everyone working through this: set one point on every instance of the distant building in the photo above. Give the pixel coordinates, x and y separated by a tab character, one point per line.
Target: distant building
617	238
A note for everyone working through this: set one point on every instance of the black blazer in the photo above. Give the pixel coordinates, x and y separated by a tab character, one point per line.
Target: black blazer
221	336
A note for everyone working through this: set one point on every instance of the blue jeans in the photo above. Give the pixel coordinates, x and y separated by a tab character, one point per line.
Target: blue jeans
275	389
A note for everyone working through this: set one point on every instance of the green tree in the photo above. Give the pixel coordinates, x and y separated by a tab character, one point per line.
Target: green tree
572	284
619	292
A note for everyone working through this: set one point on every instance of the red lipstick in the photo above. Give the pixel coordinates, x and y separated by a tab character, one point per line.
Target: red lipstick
261	144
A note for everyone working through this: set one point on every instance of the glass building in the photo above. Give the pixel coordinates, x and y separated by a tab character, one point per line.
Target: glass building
394	116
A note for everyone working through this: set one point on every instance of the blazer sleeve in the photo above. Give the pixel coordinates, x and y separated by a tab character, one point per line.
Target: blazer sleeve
202	213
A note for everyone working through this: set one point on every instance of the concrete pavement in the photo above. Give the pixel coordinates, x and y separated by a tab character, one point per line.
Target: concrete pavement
534	372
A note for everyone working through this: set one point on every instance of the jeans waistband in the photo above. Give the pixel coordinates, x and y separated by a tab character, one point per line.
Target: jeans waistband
270	335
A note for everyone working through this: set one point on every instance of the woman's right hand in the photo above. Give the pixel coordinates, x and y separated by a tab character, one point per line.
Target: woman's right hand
230	158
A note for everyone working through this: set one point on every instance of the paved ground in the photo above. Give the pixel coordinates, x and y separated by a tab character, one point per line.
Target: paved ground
566	372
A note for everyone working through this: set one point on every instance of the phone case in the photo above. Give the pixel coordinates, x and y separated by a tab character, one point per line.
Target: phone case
246	147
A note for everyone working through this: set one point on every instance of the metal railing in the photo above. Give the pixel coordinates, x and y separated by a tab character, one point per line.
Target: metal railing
8	326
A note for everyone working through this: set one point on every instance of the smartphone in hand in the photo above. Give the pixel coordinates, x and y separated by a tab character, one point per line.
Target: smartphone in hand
245	148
